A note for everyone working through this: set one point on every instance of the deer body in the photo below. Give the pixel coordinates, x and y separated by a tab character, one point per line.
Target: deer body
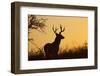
51	49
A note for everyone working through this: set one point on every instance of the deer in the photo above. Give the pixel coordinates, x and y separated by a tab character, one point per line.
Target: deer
51	49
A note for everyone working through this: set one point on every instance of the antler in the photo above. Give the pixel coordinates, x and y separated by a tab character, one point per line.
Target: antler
61	29
54	30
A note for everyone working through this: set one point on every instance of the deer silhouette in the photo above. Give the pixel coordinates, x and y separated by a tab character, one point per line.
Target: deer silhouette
51	49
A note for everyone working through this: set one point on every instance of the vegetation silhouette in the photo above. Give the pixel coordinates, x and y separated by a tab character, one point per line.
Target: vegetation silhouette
79	52
35	23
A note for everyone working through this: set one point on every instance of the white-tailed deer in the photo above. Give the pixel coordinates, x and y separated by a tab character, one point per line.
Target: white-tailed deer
51	49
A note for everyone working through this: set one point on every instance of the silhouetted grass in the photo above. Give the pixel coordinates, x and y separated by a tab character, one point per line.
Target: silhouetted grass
36	55
79	52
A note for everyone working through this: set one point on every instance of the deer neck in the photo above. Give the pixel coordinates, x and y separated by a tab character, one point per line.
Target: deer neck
57	41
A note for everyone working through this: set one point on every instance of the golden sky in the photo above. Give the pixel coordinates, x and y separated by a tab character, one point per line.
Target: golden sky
76	32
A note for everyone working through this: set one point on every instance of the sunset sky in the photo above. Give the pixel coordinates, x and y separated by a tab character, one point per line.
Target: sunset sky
76	32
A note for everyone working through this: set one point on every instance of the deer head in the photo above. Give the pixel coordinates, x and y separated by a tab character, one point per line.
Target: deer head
58	35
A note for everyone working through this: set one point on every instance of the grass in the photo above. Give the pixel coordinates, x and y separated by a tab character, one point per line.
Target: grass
79	52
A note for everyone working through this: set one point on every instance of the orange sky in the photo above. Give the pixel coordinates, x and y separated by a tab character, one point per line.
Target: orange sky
76	32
